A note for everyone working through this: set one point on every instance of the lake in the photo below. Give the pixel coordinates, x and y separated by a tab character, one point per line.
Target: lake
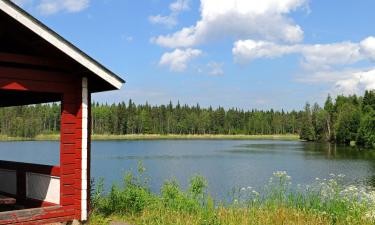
225	163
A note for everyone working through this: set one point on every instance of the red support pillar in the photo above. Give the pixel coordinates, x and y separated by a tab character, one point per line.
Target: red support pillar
75	150
70	121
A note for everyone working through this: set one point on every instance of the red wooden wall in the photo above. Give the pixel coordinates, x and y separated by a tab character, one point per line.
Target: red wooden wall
70	88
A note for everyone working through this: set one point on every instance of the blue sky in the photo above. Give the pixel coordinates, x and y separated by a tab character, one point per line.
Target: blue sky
233	53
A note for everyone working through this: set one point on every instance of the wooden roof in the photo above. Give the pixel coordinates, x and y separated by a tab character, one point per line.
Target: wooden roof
73	53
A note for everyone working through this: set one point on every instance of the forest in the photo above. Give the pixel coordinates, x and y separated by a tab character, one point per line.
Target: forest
345	119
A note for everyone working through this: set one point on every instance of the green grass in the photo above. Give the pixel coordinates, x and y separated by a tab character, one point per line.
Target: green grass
194	137
7	138
322	202
54	137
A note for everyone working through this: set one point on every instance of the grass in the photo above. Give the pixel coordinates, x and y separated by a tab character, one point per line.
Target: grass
224	216
107	137
323	202
7	138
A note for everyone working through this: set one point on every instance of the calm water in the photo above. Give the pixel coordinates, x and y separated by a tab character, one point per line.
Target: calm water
226	164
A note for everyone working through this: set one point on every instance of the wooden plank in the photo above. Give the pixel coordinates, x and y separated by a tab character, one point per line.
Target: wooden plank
32	168
32	216
34	61
36	86
37	75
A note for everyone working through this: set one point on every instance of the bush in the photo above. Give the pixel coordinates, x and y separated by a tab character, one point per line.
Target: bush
326	201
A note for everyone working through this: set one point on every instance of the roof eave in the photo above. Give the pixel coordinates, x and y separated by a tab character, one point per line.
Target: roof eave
59	42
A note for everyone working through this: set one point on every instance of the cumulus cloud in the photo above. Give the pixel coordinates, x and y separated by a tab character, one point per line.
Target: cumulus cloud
321	63
267	20
345	81
178	60
325	56
358	81
171	20
368	47
327	76
248	50
314	56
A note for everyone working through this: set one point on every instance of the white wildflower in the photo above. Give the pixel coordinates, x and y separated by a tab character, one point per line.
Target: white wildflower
280	174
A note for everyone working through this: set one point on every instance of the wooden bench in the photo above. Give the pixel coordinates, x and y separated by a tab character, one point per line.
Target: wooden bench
4	200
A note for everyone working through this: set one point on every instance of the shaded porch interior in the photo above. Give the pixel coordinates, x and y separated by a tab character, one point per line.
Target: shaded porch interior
30	186
39	66
25	57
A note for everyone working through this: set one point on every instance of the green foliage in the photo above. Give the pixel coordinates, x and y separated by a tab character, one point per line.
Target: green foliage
29	121
345	119
132	197
198	186
369	100
307	130
366	134
347	123
175	199
326	198
123	119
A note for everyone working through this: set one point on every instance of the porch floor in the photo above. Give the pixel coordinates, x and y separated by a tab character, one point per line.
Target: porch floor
7	208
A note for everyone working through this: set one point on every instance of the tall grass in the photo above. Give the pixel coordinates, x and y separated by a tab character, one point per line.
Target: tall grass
325	201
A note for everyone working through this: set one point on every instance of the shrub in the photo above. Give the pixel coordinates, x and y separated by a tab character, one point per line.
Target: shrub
326	201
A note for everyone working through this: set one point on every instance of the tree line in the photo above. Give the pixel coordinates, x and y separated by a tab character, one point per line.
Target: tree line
343	120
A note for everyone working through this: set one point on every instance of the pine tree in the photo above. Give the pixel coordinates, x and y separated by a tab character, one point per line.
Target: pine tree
307	129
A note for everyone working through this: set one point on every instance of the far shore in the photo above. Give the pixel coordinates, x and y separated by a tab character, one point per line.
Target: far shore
100	137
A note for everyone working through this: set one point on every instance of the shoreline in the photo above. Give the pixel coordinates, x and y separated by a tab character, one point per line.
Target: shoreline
56	137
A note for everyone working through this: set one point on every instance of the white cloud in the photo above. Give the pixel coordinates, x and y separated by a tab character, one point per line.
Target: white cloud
368	47
248	50
347	87
327	76
324	56
49	7
314	57
178	60
171	20
211	68
345	81
363	80
321	63
180	5
266	19
368	79
215	68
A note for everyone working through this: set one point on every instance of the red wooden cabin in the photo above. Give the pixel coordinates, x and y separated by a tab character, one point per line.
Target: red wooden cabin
39	66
